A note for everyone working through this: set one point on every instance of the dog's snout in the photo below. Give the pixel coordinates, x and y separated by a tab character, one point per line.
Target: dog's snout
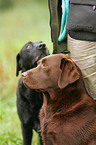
42	45
24	74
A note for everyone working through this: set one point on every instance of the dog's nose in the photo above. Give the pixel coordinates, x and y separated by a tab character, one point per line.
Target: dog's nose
24	74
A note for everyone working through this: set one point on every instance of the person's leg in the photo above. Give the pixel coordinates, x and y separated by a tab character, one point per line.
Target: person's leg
84	55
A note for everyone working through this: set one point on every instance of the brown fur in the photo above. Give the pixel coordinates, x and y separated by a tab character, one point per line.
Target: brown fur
68	114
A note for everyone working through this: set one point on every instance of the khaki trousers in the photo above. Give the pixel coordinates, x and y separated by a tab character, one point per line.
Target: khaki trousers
83	54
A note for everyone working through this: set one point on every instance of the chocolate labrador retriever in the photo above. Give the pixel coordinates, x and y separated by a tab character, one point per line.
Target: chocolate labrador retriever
68	114
29	101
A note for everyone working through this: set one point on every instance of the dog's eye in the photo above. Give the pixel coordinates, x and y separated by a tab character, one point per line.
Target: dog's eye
44	65
29	46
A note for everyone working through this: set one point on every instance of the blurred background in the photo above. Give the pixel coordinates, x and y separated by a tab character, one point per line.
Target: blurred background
20	22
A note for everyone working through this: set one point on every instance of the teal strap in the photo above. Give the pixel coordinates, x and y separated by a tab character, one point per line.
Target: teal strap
65	11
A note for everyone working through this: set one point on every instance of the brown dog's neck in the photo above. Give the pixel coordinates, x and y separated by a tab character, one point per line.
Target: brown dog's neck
75	89
66	98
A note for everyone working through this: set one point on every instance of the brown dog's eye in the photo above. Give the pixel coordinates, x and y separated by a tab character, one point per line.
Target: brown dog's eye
44	65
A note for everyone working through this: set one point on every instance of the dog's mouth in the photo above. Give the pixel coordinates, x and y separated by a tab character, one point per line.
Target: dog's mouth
32	86
28	86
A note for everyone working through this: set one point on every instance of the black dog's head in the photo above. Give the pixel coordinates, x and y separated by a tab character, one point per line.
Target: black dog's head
29	54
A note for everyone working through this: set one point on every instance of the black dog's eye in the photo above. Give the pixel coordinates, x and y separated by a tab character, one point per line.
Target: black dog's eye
29	46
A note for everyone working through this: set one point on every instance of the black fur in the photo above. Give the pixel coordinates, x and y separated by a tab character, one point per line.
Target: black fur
29	101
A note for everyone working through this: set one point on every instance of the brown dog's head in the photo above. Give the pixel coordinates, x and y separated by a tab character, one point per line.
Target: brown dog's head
54	71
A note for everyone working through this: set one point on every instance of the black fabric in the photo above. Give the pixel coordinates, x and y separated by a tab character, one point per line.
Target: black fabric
82	20
55	25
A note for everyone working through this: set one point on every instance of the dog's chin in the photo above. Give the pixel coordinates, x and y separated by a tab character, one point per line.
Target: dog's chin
25	85
31	87
40	90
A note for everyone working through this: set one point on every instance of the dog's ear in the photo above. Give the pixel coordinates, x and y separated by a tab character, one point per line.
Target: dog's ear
18	64
69	73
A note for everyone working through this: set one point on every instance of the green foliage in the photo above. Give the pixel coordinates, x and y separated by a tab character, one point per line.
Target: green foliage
6	4
25	21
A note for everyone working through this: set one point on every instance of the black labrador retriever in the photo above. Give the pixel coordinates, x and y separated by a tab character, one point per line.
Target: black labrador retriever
29	101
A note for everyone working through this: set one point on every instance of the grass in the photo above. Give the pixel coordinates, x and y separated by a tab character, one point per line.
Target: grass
27	20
